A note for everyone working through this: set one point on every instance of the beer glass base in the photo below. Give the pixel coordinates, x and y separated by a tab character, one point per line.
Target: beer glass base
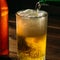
28	58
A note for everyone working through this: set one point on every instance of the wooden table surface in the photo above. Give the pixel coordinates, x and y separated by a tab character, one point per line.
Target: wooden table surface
53	39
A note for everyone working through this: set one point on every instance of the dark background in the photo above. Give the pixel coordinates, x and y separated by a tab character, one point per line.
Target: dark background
15	5
53	8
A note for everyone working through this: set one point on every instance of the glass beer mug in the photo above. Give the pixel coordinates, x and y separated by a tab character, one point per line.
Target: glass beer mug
31	34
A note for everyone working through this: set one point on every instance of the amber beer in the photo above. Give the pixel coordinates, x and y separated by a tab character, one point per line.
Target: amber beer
31	30
3	28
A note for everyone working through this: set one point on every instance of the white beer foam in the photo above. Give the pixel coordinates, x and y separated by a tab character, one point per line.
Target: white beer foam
31	13
33	26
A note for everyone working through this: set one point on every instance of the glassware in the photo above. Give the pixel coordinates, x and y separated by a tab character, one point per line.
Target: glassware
31	34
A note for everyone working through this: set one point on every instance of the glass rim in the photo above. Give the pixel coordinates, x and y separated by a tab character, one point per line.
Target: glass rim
46	14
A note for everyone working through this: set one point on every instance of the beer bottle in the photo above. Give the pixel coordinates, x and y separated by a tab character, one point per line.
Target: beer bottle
4	51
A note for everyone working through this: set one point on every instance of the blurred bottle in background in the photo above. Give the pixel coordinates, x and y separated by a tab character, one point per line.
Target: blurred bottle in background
4	51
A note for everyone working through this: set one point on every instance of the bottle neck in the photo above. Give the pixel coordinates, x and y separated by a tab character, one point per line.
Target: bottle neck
4	7
3	3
